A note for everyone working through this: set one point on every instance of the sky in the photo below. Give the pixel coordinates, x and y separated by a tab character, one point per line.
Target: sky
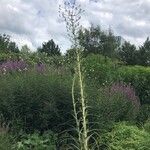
33	22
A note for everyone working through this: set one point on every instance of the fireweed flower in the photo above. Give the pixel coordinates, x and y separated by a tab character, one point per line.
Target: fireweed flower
11	66
40	67
126	90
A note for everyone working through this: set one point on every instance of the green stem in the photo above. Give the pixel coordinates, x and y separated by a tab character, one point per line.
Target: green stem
83	104
75	112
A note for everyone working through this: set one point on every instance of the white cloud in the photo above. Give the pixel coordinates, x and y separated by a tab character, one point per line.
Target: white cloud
34	21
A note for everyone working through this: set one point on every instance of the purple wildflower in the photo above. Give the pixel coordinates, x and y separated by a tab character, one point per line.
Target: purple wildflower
11	66
40	67
127	91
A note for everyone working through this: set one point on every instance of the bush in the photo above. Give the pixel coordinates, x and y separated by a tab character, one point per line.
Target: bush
33	58
36	57
115	103
35	141
147	126
98	70
36	101
10	56
144	114
6	141
139	78
101	72
13	66
126	137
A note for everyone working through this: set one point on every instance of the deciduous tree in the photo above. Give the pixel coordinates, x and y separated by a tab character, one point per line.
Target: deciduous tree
50	48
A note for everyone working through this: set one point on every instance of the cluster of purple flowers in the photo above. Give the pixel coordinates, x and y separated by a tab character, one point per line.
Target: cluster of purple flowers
11	66
19	66
40	67
126	90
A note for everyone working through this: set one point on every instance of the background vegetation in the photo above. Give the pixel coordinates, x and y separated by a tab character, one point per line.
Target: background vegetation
35	93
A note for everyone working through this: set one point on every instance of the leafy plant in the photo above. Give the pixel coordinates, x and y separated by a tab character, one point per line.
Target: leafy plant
39	101
139	78
126	137
98	71
147	126
35	141
111	104
144	114
71	15
6	141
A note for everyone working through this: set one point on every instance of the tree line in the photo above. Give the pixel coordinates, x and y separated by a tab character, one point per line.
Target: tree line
92	40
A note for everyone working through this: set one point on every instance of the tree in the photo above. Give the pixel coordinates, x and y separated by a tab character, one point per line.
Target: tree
4	40
144	53
90	39
128	53
25	49
50	48
94	40
6	45
110	44
13	47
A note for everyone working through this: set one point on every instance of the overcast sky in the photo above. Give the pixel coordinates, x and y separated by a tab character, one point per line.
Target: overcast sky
32	22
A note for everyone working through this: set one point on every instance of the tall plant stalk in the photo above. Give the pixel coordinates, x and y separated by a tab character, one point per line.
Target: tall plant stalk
83	105
71	15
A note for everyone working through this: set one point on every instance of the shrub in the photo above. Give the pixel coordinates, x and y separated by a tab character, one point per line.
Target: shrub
115	103
126	137
147	126
6	141
139	78
9	56
101	72
33	58
98	70
144	114
36	101
35	141
12	66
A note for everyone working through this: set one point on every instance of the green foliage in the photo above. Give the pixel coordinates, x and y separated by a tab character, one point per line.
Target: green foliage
6	45
139	77
25	49
108	107
70	56
127	53
10	56
35	141
147	126
144	114
144	54
99	71
126	137
50	48
34	57
32	101
96	41
6	141
38	101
